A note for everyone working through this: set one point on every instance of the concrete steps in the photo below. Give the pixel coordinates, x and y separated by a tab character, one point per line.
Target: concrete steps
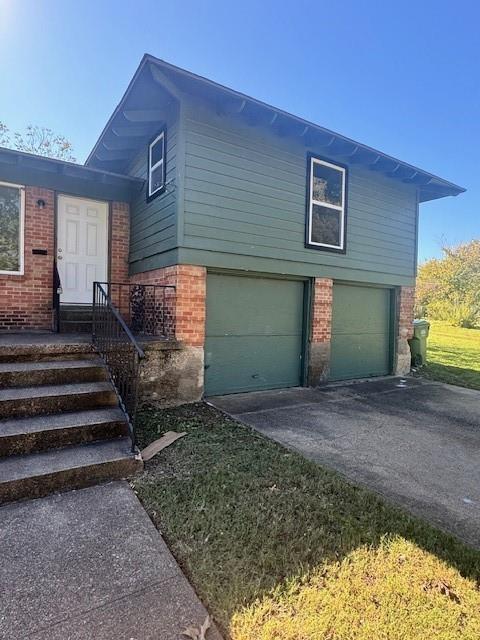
54	398
38	474
37	348
60	423
42	432
22	374
76	318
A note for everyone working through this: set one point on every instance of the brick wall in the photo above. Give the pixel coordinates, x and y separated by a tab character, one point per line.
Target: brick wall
120	239
405	314
405	311
26	300
320	331
189	304
170	377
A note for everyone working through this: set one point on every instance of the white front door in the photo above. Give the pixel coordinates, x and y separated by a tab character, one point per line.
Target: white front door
82	247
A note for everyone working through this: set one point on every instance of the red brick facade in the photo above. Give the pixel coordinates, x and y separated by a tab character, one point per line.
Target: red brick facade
26	300
321	325
405	312
190	299
120	241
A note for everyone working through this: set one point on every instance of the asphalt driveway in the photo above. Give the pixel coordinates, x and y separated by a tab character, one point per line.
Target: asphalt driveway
416	442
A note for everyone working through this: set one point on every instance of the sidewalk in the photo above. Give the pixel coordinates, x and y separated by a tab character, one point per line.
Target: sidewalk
90	564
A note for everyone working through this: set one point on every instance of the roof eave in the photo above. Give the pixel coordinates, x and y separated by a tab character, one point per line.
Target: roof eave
429	185
105	129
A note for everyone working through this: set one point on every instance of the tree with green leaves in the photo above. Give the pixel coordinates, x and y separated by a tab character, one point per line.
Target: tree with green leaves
41	141
448	288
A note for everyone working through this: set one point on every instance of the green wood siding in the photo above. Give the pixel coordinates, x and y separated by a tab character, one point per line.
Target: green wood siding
361	332
244	194
254	333
237	201
154	224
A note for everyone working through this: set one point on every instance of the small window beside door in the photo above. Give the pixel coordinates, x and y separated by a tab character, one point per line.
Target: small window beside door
156	165
326	206
12	211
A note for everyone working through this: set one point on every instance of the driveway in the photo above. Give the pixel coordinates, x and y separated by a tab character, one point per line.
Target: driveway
416	442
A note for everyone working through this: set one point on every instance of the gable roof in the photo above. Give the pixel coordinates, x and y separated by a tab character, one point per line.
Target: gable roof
157	83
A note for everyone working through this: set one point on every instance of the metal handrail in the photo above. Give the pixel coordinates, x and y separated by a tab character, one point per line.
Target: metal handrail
57	287
120	352
148	309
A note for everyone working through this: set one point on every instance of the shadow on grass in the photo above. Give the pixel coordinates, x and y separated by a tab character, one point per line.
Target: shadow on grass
460	376
245	516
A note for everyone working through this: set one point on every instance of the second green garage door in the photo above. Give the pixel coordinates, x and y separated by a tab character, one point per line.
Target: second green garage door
254	334
361	332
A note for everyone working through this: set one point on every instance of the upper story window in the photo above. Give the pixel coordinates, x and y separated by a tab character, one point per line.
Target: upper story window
156	165
12	211
326	207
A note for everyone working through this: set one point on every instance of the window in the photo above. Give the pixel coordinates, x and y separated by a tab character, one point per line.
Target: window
326	206
12	205
156	166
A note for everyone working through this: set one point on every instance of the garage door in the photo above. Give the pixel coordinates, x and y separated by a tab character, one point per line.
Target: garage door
361	332
254	334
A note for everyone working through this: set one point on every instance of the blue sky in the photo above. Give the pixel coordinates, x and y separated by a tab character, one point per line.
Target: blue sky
401	77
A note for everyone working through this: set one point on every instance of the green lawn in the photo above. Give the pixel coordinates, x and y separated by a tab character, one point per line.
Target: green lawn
453	355
279	548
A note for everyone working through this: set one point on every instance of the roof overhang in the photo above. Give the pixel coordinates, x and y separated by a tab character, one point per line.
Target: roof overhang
66	177
157	84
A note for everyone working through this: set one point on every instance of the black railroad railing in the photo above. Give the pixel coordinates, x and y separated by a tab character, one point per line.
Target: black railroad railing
120	352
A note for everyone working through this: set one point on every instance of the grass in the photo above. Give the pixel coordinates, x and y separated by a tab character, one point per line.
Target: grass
453	355
279	548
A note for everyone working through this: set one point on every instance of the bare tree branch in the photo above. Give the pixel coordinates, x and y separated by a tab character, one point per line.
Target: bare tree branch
41	141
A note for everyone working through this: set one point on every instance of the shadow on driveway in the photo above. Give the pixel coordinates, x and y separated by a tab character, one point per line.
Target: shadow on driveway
416	443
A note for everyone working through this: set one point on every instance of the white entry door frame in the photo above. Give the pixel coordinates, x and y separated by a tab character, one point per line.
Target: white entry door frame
82	247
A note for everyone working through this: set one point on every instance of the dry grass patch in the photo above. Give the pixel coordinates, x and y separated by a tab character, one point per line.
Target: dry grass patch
395	591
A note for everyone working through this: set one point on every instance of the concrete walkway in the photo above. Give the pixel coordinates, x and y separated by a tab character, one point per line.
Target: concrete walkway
90	565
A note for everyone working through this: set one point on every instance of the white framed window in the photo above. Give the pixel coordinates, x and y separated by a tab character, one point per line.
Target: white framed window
326	206
12	221
156	165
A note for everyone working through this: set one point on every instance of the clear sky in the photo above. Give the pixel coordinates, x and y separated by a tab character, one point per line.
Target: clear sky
403	77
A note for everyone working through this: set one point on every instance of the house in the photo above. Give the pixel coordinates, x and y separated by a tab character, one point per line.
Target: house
292	249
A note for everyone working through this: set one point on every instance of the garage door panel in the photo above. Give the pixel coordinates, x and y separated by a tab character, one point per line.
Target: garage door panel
360	356
361	334
254	333
247	363
239	305
360	309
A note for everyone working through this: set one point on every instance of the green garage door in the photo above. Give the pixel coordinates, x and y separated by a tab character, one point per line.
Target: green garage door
254	334
361	332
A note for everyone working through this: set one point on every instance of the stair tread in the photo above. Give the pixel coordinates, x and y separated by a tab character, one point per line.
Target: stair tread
65	420
7	367
33	465
52	390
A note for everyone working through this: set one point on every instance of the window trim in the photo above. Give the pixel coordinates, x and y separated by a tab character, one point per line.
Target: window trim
160	135
313	159
21	232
